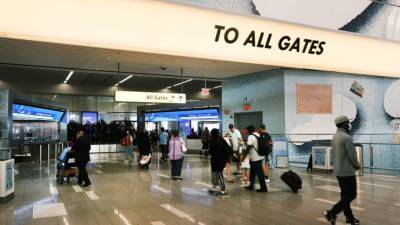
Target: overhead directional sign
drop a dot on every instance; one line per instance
(161, 27)
(149, 97)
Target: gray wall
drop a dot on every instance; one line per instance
(266, 91)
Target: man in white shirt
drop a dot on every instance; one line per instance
(255, 160)
(236, 141)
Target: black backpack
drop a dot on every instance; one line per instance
(263, 148)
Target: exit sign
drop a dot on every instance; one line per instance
(205, 91)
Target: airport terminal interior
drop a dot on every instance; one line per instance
(199, 112)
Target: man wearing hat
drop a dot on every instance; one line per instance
(346, 165)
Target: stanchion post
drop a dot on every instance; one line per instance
(40, 153)
(55, 150)
(48, 153)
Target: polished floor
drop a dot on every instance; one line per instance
(127, 195)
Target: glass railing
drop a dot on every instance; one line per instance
(380, 152)
(5, 150)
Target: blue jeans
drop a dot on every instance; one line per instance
(128, 151)
(176, 167)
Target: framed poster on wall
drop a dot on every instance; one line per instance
(314, 98)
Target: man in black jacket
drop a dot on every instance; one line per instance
(82, 149)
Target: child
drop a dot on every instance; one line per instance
(245, 168)
(228, 140)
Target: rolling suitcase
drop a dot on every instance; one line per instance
(292, 180)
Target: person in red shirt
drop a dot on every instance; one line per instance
(126, 142)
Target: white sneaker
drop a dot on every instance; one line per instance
(266, 180)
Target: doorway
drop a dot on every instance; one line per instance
(242, 120)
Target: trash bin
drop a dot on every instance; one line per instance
(360, 158)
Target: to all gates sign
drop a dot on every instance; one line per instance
(149, 97)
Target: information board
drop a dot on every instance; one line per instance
(314, 98)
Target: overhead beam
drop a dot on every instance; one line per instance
(162, 27)
(108, 72)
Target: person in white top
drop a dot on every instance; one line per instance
(255, 160)
(237, 142)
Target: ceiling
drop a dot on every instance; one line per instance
(44, 79)
(65, 57)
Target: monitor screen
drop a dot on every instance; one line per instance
(195, 114)
(89, 117)
(33, 113)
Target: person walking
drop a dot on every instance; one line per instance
(345, 166)
(205, 135)
(218, 149)
(154, 138)
(268, 142)
(163, 145)
(126, 142)
(255, 160)
(176, 155)
(229, 160)
(144, 145)
(237, 143)
(82, 149)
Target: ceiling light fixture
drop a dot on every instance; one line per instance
(122, 81)
(69, 76)
(216, 87)
(180, 83)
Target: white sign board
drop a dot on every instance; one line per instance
(149, 97)
(6, 178)
(161, 27)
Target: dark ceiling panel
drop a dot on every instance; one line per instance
(34, 75)
(49, 77)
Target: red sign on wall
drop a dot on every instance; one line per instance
(246, 107)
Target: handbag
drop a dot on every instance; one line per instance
(183, 146)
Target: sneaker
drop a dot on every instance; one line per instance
(262, 190)
(220, 193)
(237, 173)
(267, 180)
(354, 221)
(330, 218)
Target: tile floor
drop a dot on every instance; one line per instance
(126, 195)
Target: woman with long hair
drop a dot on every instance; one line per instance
(219, 151)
